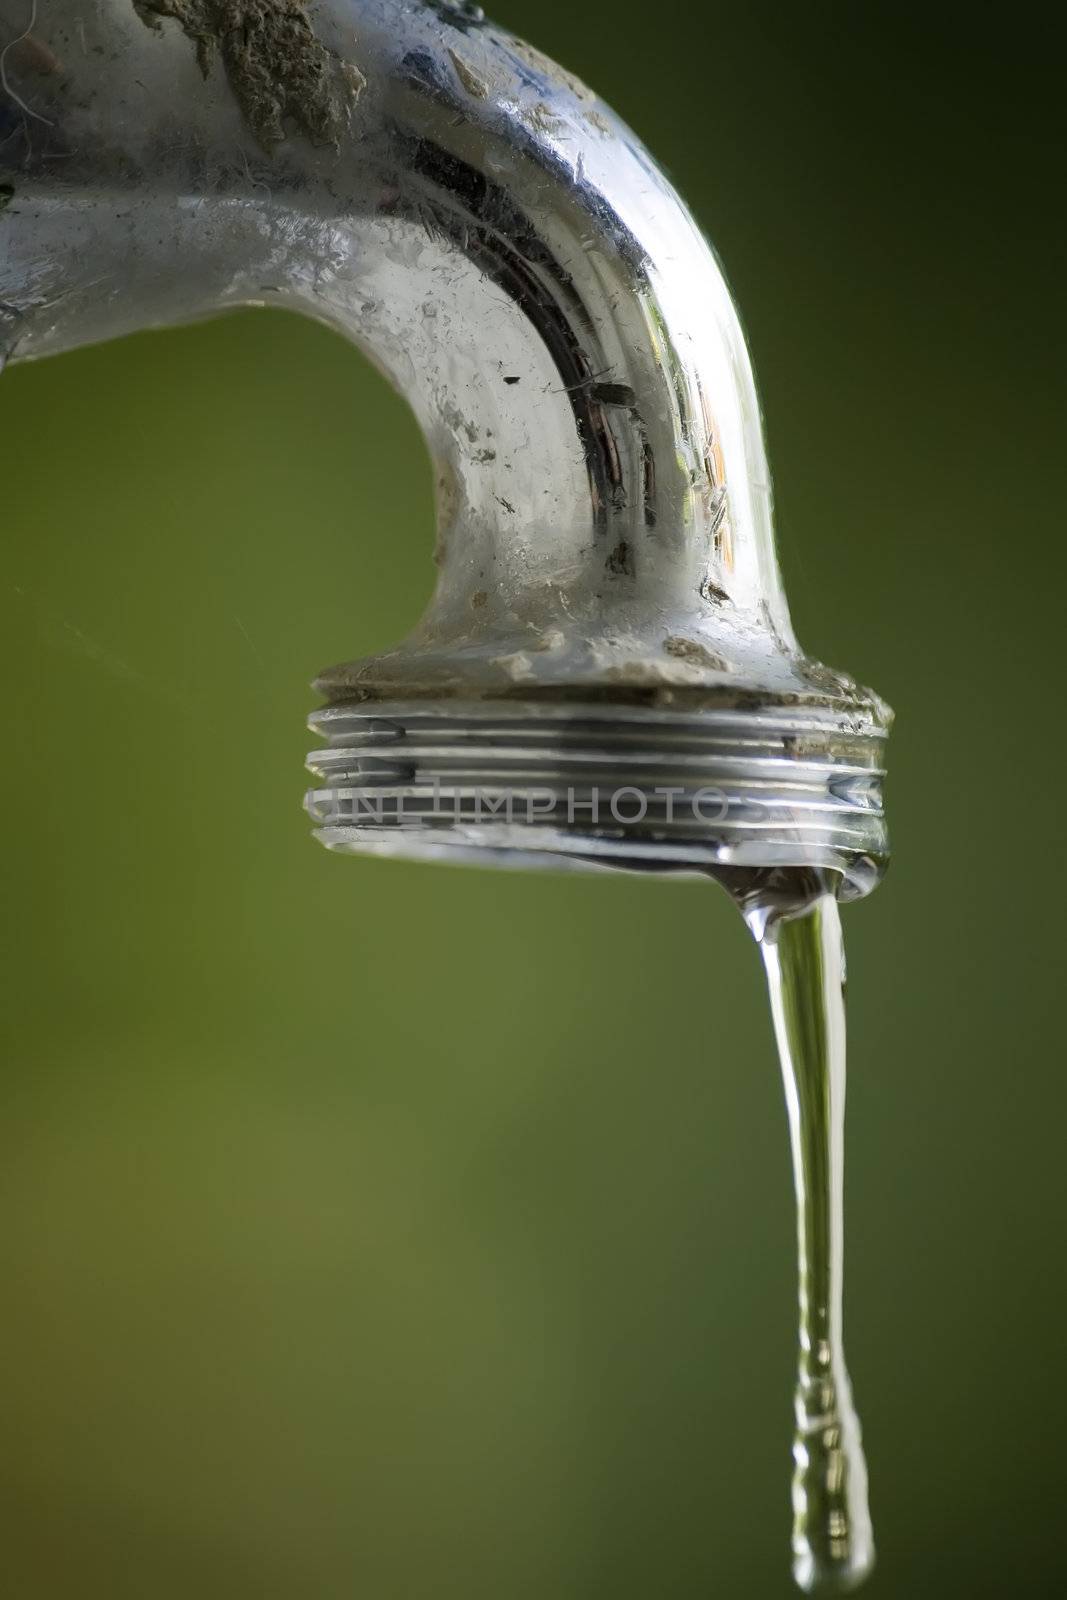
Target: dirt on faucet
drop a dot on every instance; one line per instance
(275, 63)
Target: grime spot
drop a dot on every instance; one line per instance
(453, 417)
(277, 67)
(613, 394)
(621, 560)
(475, 86)
(449, 499)
(479, 598)
(695, 654)
(518, 665)
(822, 677)
(541, 118)
(712, 591)
(550, 70)
(551, 641)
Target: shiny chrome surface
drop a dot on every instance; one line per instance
(514, 262)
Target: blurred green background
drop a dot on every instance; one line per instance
(392, 1230)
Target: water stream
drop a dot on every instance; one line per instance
(798, 929)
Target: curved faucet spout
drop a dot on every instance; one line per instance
(508, 254)
(470, 215)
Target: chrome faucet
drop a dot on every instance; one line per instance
(606, 673)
